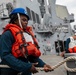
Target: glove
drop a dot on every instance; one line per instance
(33, 69)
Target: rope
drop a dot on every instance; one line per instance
(69, 69)
(54, 67)
(62, 62)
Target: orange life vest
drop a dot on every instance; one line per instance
(72, 50)
(21, 48)
(72, 45)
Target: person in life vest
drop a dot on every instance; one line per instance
(70, 46)
(19, 48)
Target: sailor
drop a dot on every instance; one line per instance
(70, 46)
(19, 48)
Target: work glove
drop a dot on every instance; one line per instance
(33, 69)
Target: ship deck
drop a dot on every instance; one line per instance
(53, 60)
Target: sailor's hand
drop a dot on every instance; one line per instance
(33, 68)
(62, 54)
(47, 68)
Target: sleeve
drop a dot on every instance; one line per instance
(6, 42)
(38, 60)
(67, 45)
(41, 63)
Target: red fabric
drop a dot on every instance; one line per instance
(32, 50)
(72, 50)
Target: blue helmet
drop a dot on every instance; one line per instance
(19, 10)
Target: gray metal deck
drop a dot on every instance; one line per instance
(53, 60)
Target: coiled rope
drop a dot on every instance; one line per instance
(62, 62)
(54, 67)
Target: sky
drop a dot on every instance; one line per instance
(71, 7)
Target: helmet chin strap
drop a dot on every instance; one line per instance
(19, 20)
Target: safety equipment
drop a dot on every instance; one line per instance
(72, 45)
(72, 42)
(29, 31)
(72, 50)
(19, 10)
(20, 47)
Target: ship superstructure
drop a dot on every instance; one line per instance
(50, 22)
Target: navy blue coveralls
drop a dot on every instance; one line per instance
(67, 45)
(17, 64)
